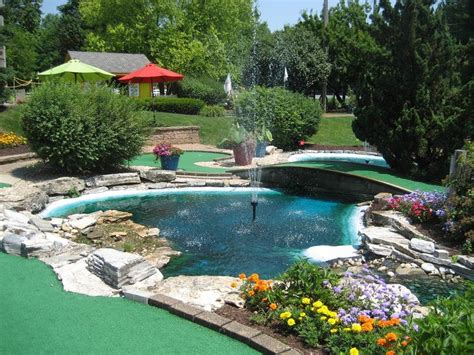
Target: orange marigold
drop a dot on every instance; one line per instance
(404, 343)
(251, 293)
(273, 306)
(367, 327)
(261, 286)
(391, 336)
(390, 352)
(242, 276)
(395, 321)
(264, 299)
(254, 278)
(381, 342)
(363, 318)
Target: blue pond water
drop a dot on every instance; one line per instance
(215, 232)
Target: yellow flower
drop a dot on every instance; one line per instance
(291, 322)
(332, 314)
(323, 318)
(233, 284)
(285, 315)
(353, 351)
(305, 300)
(356, 327)
(346, 329)
(318, 304)
(302, 314)
(334, 330)
(331, 321)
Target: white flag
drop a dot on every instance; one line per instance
(285, 76)
(228, 85)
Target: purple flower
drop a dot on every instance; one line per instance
(337, 289)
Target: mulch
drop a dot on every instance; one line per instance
(243, 316)
(21, 149)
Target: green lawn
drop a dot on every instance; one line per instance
(38, 317)
(10, 121)
(335, 131)
(212, 129)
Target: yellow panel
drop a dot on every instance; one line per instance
(145, 90)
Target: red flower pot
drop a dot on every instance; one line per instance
(243, 153)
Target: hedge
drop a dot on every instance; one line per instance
(174, 105)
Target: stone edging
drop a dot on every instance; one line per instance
(250, 336)
(17, 157)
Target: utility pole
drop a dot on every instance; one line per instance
(325, 24)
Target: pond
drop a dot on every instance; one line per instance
(214, 229)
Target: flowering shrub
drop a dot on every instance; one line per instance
(165, 150)
(343, 313)
(9, 139)
(421, 206)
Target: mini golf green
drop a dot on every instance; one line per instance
(3, 184)
(187, 162)
(371, 172)
(38, 317)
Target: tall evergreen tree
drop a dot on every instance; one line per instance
(407, 104)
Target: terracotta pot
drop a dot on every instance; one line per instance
(243, 153)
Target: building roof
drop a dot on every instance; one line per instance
(115, 63)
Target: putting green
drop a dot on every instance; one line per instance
(3, 184)
(187, 162)
(38, 317)
(371, 172)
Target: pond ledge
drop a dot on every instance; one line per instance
(389, 234)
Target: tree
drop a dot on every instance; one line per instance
(71, 34)
(48, 43)
(23, 13)
(21, 52)
(406, 104)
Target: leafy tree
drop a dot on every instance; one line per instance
(407, 100)
(23, 13)
(21, 52)
(71, 33)
(48, 43)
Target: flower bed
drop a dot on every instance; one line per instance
(9, 140)
(347, 314)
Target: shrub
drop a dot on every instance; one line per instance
(290, 117)
(212, 111)
(79, 130)
(448, 329)
(206, 89)
(174, 105)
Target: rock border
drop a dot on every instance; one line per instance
(250, 336)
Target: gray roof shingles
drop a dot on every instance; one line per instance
(115, 63)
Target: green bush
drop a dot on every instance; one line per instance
(290, 117)
(448, 329)
(212, 111)
(80, 130)
(206, 89)
(174, 105)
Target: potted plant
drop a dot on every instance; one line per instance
(264, 136)
(241, 143)
(169, 155)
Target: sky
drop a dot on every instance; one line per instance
(276, 13)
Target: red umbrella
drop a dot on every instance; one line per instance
(151, 73)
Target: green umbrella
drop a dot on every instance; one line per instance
(75, 71)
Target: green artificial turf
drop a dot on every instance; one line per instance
(3, 184)
(335, 131)
(186, 162)
(372, 172)
(38, 317)
(10, 120)
(213, 130)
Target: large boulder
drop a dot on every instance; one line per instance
(19, 197)
(206, 292)
(11, 243)
(155, 175)
(113, 180)
(62, 186)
